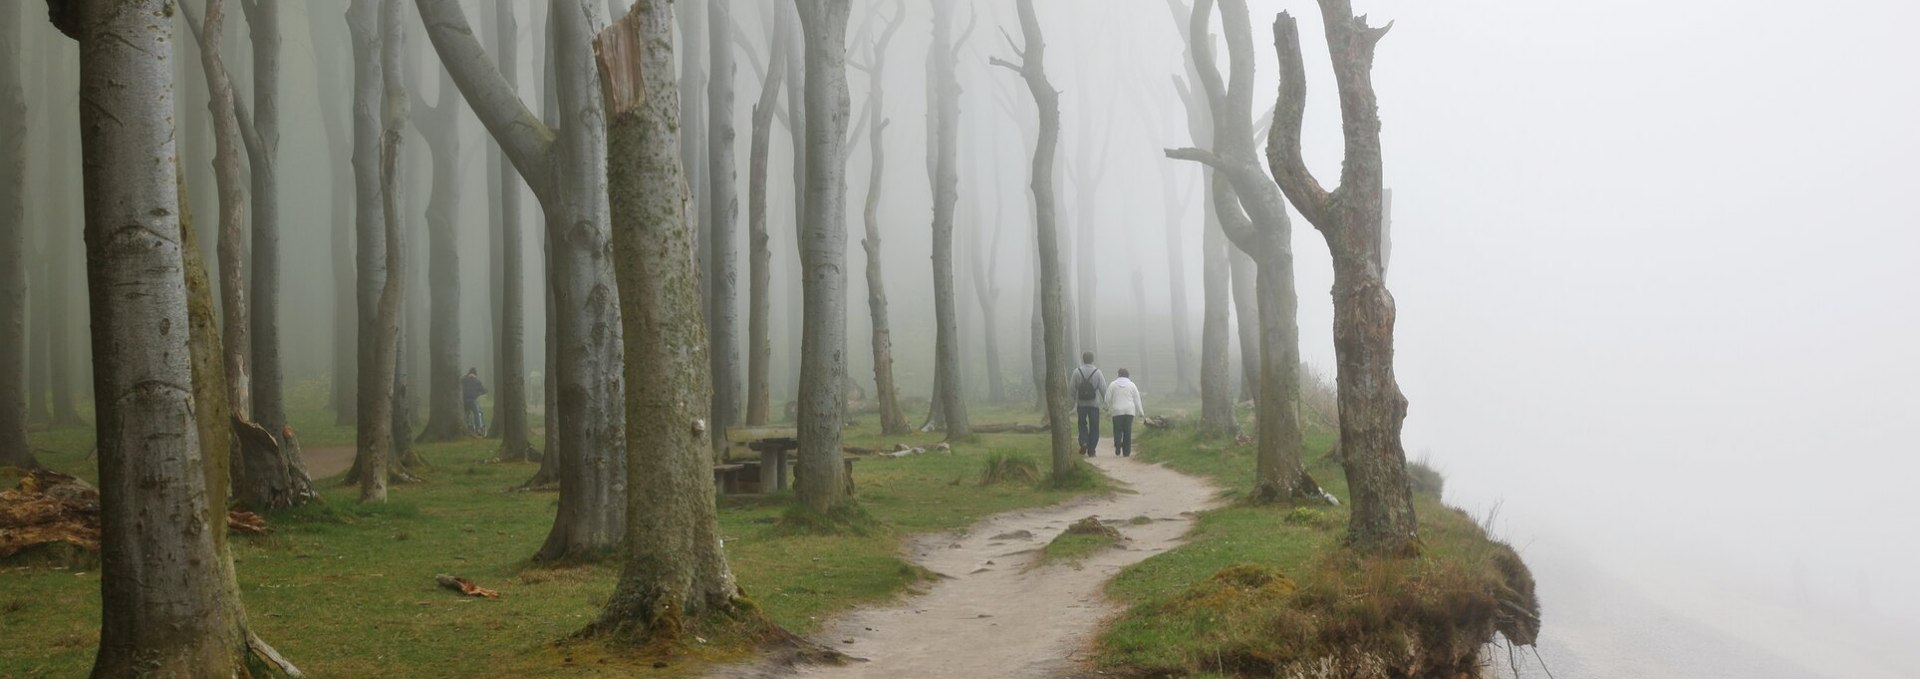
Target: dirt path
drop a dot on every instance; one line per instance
(325, 462)
(994, 617)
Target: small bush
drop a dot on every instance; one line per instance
(1009, 468)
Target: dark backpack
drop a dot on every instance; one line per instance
(1085, 389)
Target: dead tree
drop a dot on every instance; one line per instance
(14, 450)
(1349, 218)
(439, 124)
(168, 606)
(674, 572)
(1032, 69)
(893, 420)
(1253, 215)
(759, 252)
(1216, 374)
(567, 172)
(510, 403)
(823, 254)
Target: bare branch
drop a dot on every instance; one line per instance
(521, 135)
(973, 17)
(1201, 156)
(1283, 143)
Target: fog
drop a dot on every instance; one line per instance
(1653, 260)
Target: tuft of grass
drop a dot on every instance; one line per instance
(1081, 476)
(1001, 467)
(847, 519)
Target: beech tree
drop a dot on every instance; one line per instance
(567, 171)
(510, 379)
(723, 211)
(14, 450)
(823, 255)
(1032, 69)
(378, 39)
(674, 570)
(331, 77)
(1216, 372)
(944, 169)
(439, 124)
(1349, 217)
(261, 134)
(893, 420)
(759, 251)
(691, 18)
(168, 603)
(1253, 215)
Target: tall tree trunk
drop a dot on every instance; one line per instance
(986, 290)
(14, 450)
(893, 420)
(1216, 354)
(236, 336)
(439, 125)
(1246, 316)
(951, 392)
(567, 171)
(674, 572)
(164, 611)
(56, 333)
(795, 285)
(1175, 202)
(263, 150)
(691, 17)
(721, 218)
(823, 255)
(1349, 217)
(378, 439)
(759, 250)
(333, 118)
(1032, 68)
(510, 403)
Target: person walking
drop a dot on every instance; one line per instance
(470, 391)
(1089, 393)
(1123, 401)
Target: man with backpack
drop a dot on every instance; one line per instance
(1089, 393)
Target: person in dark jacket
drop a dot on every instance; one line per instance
(470, 391)
(1089, 393)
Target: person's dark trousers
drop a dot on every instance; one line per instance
(1123, 435)
(1089, 429)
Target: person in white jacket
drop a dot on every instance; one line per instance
(1123, 401)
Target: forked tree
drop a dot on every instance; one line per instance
(1349, 218)
(674, 572)
(823, 255)
(1032, 69)
(1253, 215)
(566, 169)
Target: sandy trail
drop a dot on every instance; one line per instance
(324, 462)
(995, 617)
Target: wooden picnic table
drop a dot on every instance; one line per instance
(764, 453)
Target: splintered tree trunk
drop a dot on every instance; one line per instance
(510, 403)
(722, 214)
(674, 571)
(759, 250)
(1032, 68)
(1371, 405)
(263, 150)
(823, 255)
(440, 127)
(951, 393)
(165, 611)
(345, 382)
(893, 420)
(14, 450)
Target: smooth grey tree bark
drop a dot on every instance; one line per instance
(236, 335)
(759, 249)
(331, 77)
(14, 450)
(261, 132)
(1253, 215)
(722, 215)
(823, 253)
(893, 420)
(1349, 217)
(945, 175)
(439, 124)
(165, 612)
(674, 575)
(567, 172)
(510, 399)
(795, 285)
(378, 438)
(1032, 69)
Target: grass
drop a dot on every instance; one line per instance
(1082, 539)
(1259, 588)
(347, 589)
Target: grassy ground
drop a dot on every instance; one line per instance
(1259, 586)
(347, 590)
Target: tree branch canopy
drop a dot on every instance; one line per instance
(526, 140)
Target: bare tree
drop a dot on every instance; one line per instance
(759, 252)
(893, 420)
(1216, 380)
(330, 77)
(377, 436)
(823, 254)
(164, 611)
(261, 132)
(510, 404)
(567, 172)
(14, 450)
(1253, 215)
(723, 269)
(1032, 68)
(674, 570)
(1349, 217)
(945, 116)
(439, 124)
